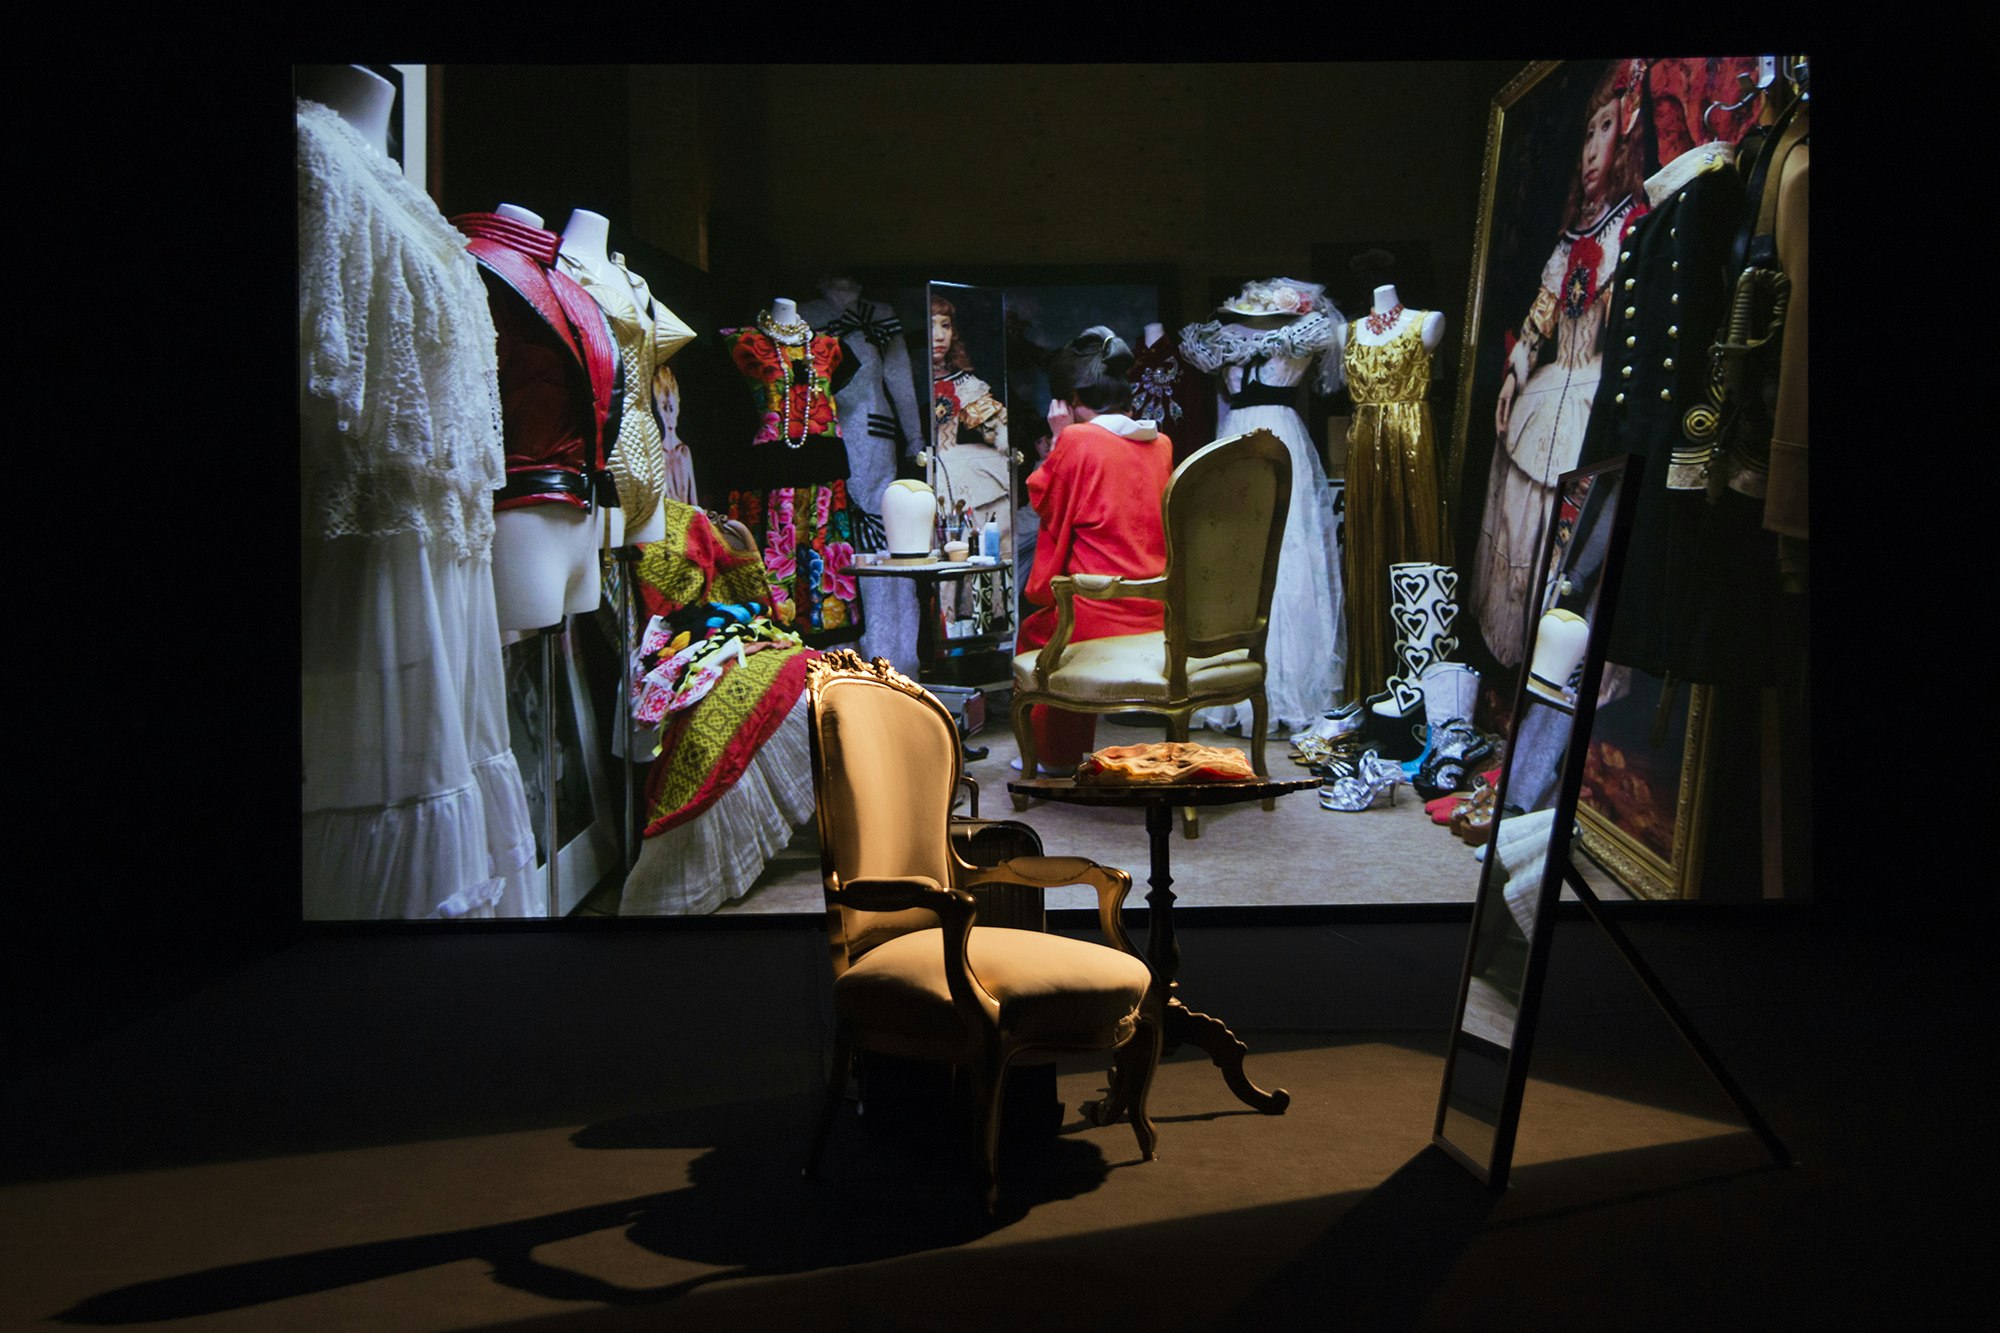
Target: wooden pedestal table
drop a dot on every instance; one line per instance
(1202, 1031)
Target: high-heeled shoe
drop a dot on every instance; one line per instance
(1455, 748)
(1373, 775)
(1335, 725)
(1472, 823)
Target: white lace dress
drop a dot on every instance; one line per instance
(412, 802)
(1306, 653)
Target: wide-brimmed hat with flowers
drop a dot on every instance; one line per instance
(1278, 296)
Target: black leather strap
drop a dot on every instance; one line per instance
(556, 481)
(1256, 393)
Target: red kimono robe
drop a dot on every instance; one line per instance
(1098, 498)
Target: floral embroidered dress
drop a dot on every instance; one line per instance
(793, 489)
(1546, 426)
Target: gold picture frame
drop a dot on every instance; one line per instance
(1651, 838)
(1645, 821)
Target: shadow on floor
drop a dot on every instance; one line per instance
(745, 1212)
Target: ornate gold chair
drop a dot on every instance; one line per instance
(1224, 513)
(914, 976)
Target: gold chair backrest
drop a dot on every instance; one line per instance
(1224, 512)
(886, 761)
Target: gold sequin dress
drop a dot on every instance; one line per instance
(1394, 508)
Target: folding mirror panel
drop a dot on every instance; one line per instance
(1525, 861)
(972, 462)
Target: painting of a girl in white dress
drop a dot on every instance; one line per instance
(1548, 379)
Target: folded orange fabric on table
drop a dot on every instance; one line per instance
(1165, 761)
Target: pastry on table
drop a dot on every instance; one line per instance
(1165, 762)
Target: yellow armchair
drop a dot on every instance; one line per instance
(915, 975)
(1224, 514)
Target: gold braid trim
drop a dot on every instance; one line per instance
(1541, 316)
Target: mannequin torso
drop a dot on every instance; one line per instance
(544, 556)
(1368, 334)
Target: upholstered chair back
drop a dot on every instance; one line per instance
(1225, 513)
(888, 762)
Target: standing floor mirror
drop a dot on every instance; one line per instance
(1527, 862)
(1520, 878)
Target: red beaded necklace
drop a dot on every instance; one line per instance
(1379, 322)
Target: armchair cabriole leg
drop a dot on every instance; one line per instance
(1024, 741)
(988, 1080)
(1136, 1062)
(836, 1089)
(1260, 724)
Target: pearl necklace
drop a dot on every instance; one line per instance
(790, 371)
(1380, 322)
(798, 333)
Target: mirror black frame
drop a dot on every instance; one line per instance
(1493, 1170)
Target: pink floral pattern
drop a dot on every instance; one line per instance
(780, 550)
(808, 549)
(840, 582)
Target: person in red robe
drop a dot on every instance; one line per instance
(1098, 498)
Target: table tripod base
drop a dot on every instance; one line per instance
(1212, 1036)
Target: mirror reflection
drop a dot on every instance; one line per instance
(1521, 862)
(970, 468)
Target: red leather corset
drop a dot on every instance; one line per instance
(558, 367)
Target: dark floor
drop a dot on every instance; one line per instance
(601, 1128)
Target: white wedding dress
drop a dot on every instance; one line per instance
(1306, 652)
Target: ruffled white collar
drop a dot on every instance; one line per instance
(1120, 424)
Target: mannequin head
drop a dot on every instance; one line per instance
(1092, 373)
(947, 348)
(1608, 164)
(361, 97)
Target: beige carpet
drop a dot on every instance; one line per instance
(1296, 853)
(695, 1217)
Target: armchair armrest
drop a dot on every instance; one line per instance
(897, 893)
(1067, 588)
(1048, 872)
(956, 912)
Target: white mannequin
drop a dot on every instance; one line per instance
(544, 556)
(1153, 333)
(358, 96)
(1387, 300)
(516, 213)
(586, 239)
